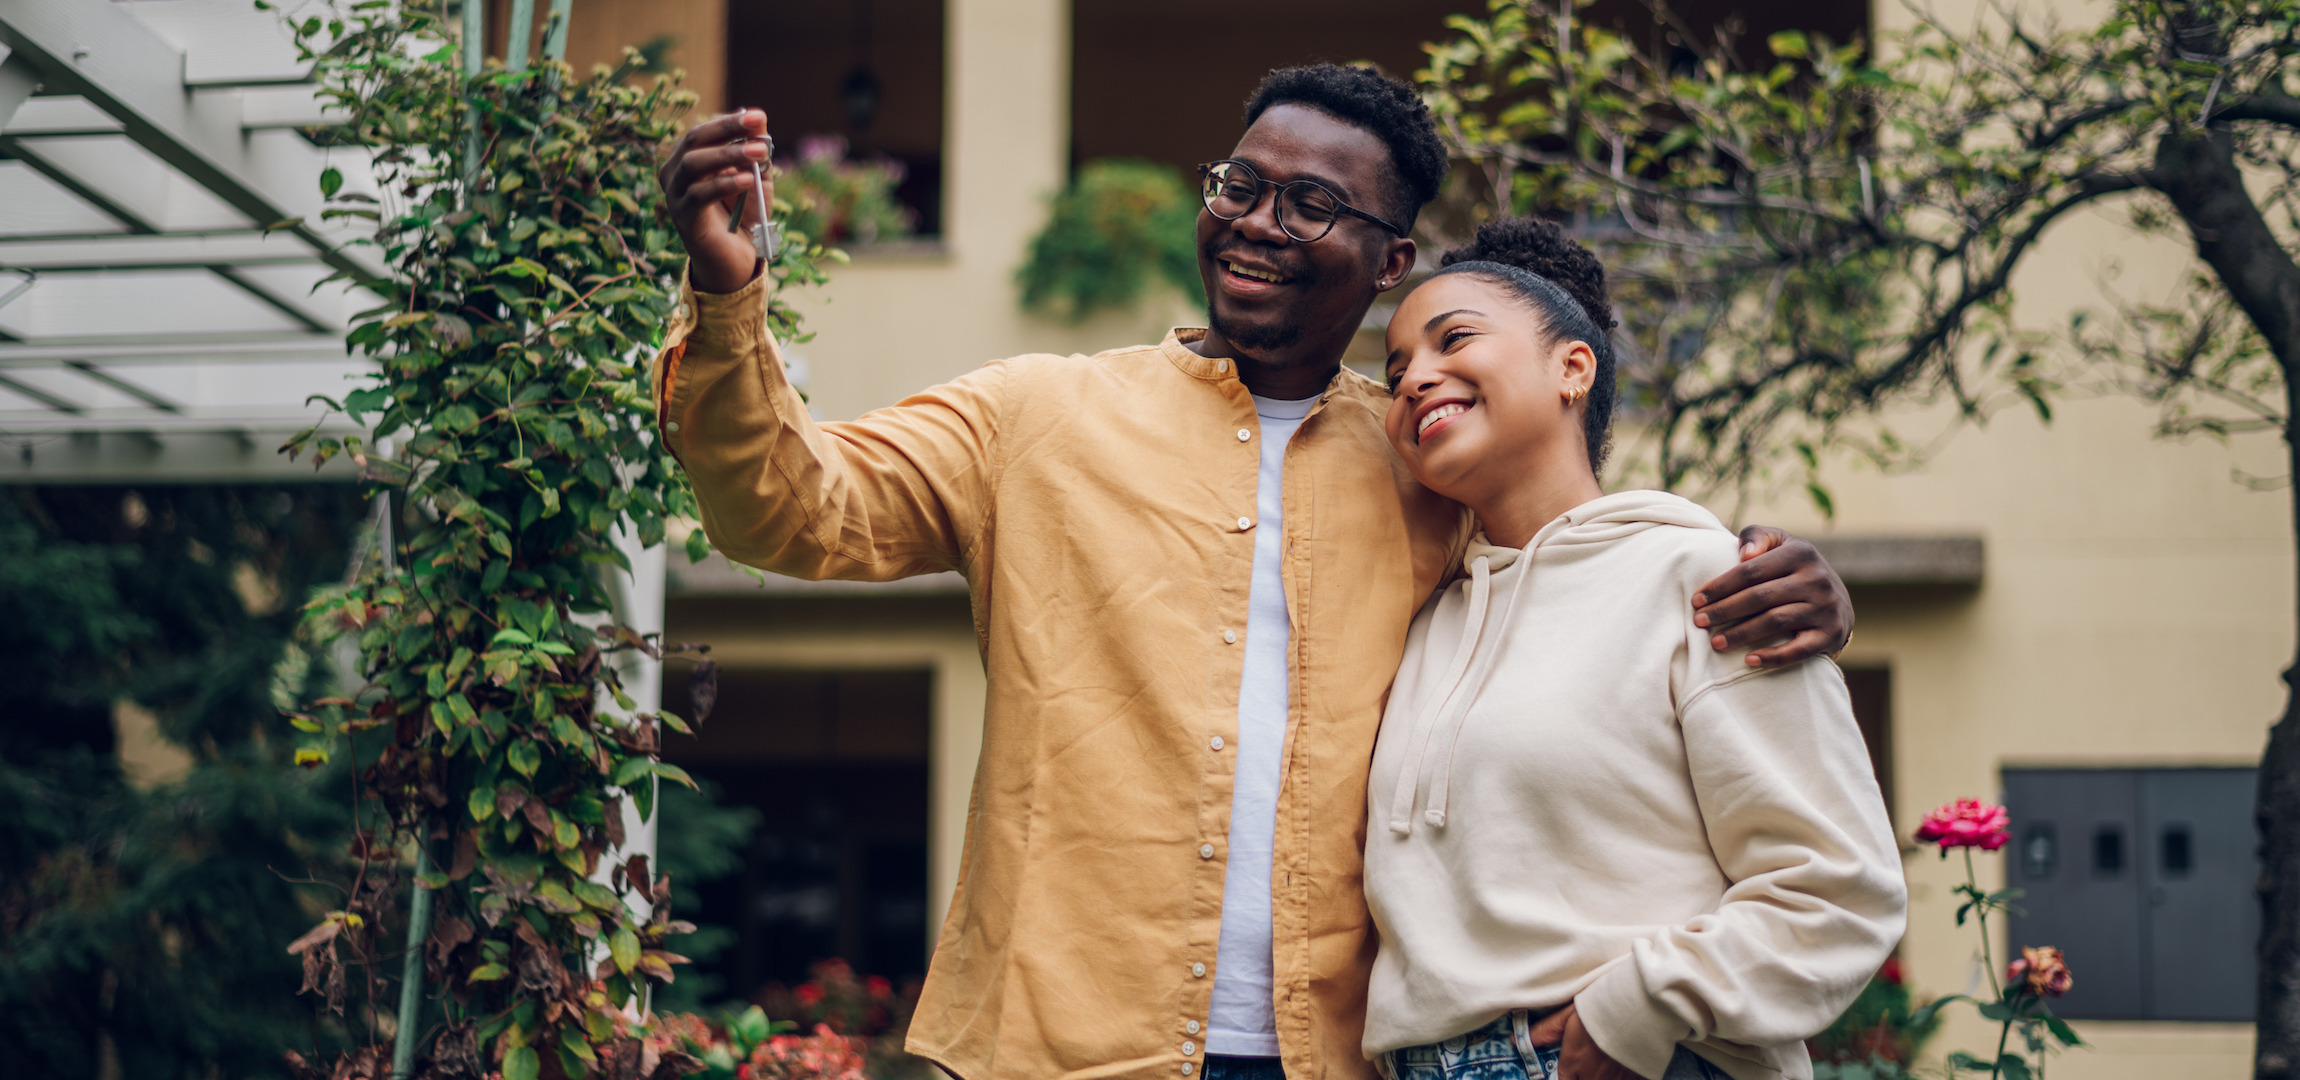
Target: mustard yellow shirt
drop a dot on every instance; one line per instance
(1101, 509)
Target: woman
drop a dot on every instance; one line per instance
(1597, 849)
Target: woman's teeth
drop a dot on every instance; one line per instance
(1437, 414)
(1258, 275)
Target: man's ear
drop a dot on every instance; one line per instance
(1397, 262)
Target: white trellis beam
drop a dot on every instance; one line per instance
(103, 54)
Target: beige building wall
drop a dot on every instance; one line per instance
(2136, 610)
(2136, 605)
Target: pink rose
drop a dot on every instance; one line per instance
(1966, 823)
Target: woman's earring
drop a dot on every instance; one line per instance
(1576, 394)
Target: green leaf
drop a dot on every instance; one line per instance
(2014, 1068)
(596, 895)
(488, 973)
(525, 756)
(2060, 1030)
(623, 945)
(1789, 43)
(571, 1039)
(674, 773)
(482, 802)
(554, 898)
(631, 770)
(522, 1064)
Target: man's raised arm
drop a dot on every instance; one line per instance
(901, 491)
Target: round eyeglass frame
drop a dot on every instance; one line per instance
(1210, 185)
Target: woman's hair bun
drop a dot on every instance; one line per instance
(1542, 247)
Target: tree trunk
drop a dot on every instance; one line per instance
(2198, 172)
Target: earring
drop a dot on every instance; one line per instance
(1576, 394)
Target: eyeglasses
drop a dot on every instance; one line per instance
(1305, 209)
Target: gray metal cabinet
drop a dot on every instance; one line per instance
(2144, 878)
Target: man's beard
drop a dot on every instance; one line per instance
(1254, 338)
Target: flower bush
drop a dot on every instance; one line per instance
(2018, 1000)
(833, 1026)
(1878, 1035)
(837, 200)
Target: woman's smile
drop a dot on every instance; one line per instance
(1437, 416)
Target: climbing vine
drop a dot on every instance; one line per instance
(528, 271)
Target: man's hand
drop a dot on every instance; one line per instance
(1782, 589)
(1579, 1057)
(707, 181)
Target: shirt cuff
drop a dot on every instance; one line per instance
(1628, 1024)
(726, 322)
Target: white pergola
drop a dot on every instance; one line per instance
(160, 240)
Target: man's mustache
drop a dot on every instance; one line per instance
(1293, 269)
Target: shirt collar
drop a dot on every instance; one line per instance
(1217, 369)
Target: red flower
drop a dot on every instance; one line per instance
(808, 994)
(2043, 970)
(878, 987)
(824, 1055)
(1891, 971)
(1966, 823)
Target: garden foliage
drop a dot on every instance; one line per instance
(139, 908)
(1121, 227)
(531, 270)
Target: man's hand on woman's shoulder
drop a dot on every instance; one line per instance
(1781, 589)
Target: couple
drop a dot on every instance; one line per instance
(1241, 812)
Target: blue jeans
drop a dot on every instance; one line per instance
(1503, 1051)
(1222, 1067)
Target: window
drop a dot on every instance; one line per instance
(2144, 878)
(869, 72)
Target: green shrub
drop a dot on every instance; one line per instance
(1118, 224)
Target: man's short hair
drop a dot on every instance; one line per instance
(1390, 109)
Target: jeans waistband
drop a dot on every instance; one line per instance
(1507, 1038)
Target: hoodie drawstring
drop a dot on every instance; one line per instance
(1455, 719)
(1480, 591)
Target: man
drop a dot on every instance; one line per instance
(1192, 567)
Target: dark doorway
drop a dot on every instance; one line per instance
(836, 762)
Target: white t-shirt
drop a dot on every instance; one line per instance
(1243, 1021)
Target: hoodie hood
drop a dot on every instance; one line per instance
(1438, 716)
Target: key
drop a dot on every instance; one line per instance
(766, 236)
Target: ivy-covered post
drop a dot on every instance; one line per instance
(555, 30)
(516, 34)
(531, 273)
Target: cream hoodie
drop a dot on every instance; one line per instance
(1574, 798)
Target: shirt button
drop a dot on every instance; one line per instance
(1245, 523)
(1229, 637)
(1217, 743)
(1188, 1068)
(1191, 1027)
(1205, 851)
(674, 426)
(1197, 971)
(1244, 434)
(1221, 365)
(1189, 1048)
